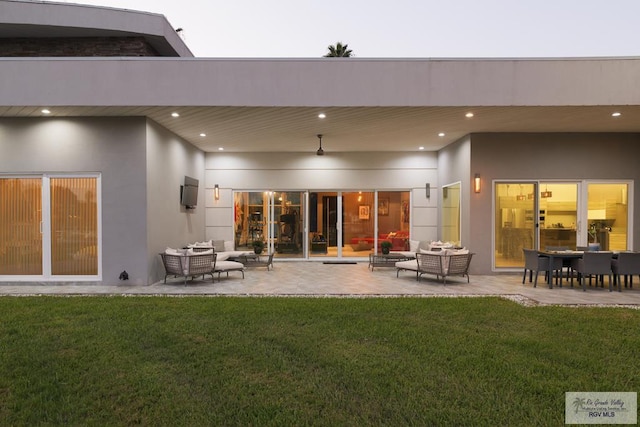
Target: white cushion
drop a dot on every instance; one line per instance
(462, 251)
(229, 246)
(439, 253)
(411, 264)
(171, 251)
(414, 245)
(228, 266)
(192, 252)
(218, 245)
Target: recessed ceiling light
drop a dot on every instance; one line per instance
(220, 148)
(420, 148)
(45, 111)
(441, 134)
(174, 114)
(616, 114)
(203, 135)
(322, 115)
(469, 115)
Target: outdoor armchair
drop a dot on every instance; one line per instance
(627, 264)
(533, 262)
(593, 263)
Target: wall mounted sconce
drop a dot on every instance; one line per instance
(476, 183)
(216, 192)
(427, 189)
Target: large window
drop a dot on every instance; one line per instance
(49, 227)
(451, 213)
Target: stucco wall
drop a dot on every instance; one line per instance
(114, 147)
(169, 159)
(546, 157)
(335, 171)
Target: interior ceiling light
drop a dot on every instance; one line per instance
(420, 148)
(322, 115)
(174, 114)
(320, 151)
(203, 135)
(220, 148)
(616, 114)
(441, 134)
(469, 115)
(45, 111)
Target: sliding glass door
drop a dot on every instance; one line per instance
(514, 223)
(275, 218)
(607, 216)
(322, 224)
(351, 224)
(568, 215)
(558, 215)
(20, 227)
(325, 224)
(74, 226)
(49, 227)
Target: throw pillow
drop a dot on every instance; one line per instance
(218, 245)
(414, 245)
(228, 246)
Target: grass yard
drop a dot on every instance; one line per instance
(304, 361)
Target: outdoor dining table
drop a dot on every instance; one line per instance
(568, 254)
(559, 254)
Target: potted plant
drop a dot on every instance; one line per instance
(385, 245)
(258, 246)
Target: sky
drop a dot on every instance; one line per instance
(400, 28)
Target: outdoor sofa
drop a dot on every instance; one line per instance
(442, 263)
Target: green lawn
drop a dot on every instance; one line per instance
(305, 361)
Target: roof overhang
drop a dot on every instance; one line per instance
(27, 19)
(371, 104)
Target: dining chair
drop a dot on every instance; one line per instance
(566, 262)
(627, 264)
(593, 263)
(533, 262)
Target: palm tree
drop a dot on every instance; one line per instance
(578, 403)
(338, 51)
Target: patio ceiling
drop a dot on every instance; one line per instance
(294, 129)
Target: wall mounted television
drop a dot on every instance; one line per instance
(189, 193)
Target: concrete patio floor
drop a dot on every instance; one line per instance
(353, 280)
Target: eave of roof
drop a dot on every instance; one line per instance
(27, 19)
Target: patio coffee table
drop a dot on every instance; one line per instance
(255, 260)
(385, 260)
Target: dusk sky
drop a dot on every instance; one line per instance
(401, 28)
